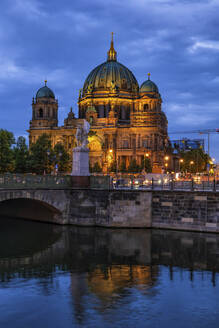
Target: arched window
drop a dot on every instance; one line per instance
(123, 110)
(97, 110)
(40, 112)
(125, 144)
(146, 107)
(104, 111)
(127, 115)
(145, 142)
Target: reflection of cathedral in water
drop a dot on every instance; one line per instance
(110, 284)
(103, 265)
(127, 121)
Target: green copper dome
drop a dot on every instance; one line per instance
(111, 75)
(149, 86)
(45, 92)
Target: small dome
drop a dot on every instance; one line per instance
(149, 86)
(45, 92)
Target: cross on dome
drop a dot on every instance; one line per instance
(112, 54)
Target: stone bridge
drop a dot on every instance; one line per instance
(40, 205)
(88, 207)
(64, 204)
(48, 198)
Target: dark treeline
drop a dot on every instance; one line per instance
(40, 158)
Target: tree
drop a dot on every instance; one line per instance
(96, 168)
(41, 155)
(113, 167)
(133, 166)
(61, 158)
(6, 151)
(122, 167)
(147, 165)
(193, 161)
(21, 155)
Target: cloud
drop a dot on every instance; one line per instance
(215, 80)
(193, 119)
(185, 95)
(147, 45)
(31, 9)
(71, 20)
(11, 71)
(176, 40)
(192, 115)
(81, 21)
(208, 44)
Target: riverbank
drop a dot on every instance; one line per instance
(164, 209)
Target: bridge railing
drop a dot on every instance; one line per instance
(160, 184)
(29, 181)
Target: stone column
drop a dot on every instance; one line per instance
(80, 165)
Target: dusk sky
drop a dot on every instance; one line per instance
(62, 41)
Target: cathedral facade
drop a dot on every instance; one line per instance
(127, 121)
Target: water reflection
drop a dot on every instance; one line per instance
(99, 274)
(193, 251)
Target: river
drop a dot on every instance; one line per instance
(63, 276)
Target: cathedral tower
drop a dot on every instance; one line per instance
(44, 109)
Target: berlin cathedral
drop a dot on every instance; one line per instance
(127, 121)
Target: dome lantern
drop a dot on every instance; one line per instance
(112, 54)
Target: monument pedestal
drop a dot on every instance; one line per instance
(80, 164)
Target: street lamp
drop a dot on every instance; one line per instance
(166, 158)
(109, 159)
(191, 163)
(48, 161)
(146, 156)
(180, 163)
(57, 162)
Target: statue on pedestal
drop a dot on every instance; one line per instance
(82, 135)
(80, 163)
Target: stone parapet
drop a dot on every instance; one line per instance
(198, 211)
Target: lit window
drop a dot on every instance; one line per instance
(125, 144)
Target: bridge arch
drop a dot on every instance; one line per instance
(38, 205)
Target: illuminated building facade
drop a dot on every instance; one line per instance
(127, 121)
